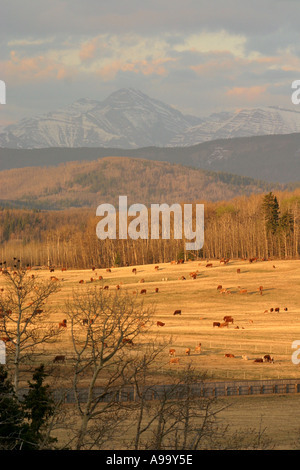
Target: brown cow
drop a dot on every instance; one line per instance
(219, 287)
(100, 278)
(156, 268)
(238, 271)
(134, 270)
(59, 359)
(188, 351)
(268, 358)
(223, 325)
(156, 289)
(63, 324)
(229, 355)
(127, 341)
(174, 360)
(108, 270)
(228, 319)
(142, 280)
(81, 281)
(285, 309)
(160, 323)
(258, 360)
(271, 310)
(198, 348)
(216, 323)
(243, 291)
(177, 312)
(277, 309)
(209, 265)
(143, 291)
(172, 352)
(106, 287)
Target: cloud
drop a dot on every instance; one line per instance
(247, 93)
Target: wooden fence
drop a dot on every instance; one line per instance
(204, 389)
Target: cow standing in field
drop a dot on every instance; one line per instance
(177, 312)
(198, 348)
(216, 323)
(174, 360)
(172, 352)
(188, 351)
(59, 359)
(228, 319)
(143, 291)
(63, 324)
(160, 323)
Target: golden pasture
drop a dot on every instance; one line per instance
(260, 332)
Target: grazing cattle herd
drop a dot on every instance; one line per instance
(225, 322)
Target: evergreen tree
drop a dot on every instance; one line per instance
(39, 405)
(14, 430)
(270, 208)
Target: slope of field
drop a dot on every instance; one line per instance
(87, 184)
(259, 332)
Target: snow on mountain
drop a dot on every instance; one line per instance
(126, 119)
(130, 119)
(243, 123)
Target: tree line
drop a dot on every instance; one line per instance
(256, 226)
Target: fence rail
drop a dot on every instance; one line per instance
(204, 389)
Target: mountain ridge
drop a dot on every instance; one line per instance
(130, 119)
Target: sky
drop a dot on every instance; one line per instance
(199, 56)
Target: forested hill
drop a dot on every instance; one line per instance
(88, 184)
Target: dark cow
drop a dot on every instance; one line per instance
(143, 291)
(216, 323)
(285, 309)
(277, 309)
(59, 359)
(106, 287)
(156, 289)
(268, 358)
(209, 265)
(258, 360)
(160, 323)
(134, 270)
(63, 324)
(229, 355)
(108, 270)
(177, 312)
(219, 287)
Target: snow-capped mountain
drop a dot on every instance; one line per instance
(129, 119)
(126, 119)
(242, 123)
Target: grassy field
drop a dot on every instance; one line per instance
(201, 303)
(259, 332)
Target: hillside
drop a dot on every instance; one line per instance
(88, 184)
(272, 158)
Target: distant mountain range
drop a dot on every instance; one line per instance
(129, 119)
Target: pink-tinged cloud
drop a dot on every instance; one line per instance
(88, 49)
(23, 69)
(248, 93)
(153, 67)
